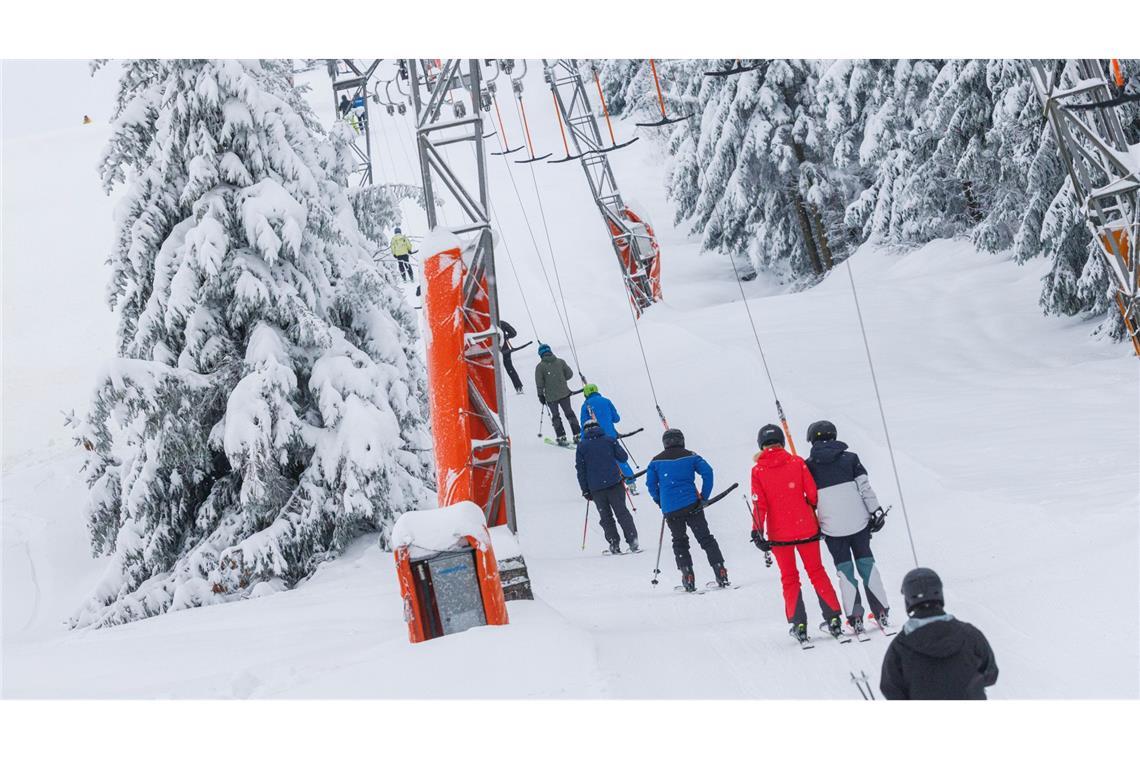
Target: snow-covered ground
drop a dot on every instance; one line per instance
(1015, 436)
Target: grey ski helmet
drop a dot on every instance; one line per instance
(921, 586)
(821, 431)
(770, 434)
(673, 438)
(397, 230)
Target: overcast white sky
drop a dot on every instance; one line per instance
(41, 95)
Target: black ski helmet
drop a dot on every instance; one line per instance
(821, 431)
(673, 438)
(397, 230)
(770, 434)
(589, 424)
(920, 586)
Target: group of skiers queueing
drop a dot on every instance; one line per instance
(795, 503)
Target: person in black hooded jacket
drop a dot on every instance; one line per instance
(935, 656)
(597, 460)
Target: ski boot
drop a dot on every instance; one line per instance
(615, 547)
(688, 579)
(857, 625)
(798, 631)
(721, 575)
(631, 484)
(632, 544)
(883, 620)
(577, 438)
(835, 626)
(561, 441)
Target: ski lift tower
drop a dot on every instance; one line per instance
(350, 78)
(632, 238)
(461, 304)
(1103, 167)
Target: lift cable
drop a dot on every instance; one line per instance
(882, 414)
(763, 358)
(557, 278)
(541, 263)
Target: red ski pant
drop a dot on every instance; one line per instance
(790, 579)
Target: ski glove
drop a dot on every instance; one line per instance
(587, 495)
(761, 544)
(542, 399)
(878, 520)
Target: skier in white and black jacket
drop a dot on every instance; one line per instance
(848, 513)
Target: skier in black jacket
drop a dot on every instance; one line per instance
(509, 334)
(936, 656)
(602, 482)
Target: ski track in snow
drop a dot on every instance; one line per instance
(1013, 445)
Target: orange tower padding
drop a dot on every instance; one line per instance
(452, 364)
(447, 390)
(491, 588)
(1115, 243)
(629, 261)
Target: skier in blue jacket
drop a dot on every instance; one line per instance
(672, 482)
(600, 409)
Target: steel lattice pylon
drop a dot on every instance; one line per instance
(633, 240)
(350, 78)
(458, 84)
(1102, 166)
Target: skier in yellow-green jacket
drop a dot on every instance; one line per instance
(401, 249)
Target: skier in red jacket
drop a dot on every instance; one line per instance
(784, 498)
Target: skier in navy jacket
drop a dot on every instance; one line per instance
(848, 513)
(671, 480)
(597, 460)
(600, 409)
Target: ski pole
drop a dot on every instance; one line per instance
(660, 542)
(541, 417)
(628, 453)
(629, 497)
(767, 555)
(585, 524)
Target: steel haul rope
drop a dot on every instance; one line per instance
(882, 414)
(763, 358)
(557, 277)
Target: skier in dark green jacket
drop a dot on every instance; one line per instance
(550, 380)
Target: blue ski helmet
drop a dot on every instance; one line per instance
(544, 349)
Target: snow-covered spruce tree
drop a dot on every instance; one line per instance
(267, 403)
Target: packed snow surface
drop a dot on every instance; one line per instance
(1014, 434)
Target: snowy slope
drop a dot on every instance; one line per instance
(1015, 442)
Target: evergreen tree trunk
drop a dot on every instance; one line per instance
(973, 208)
(821, 236)
(801, 212)
(805, 230)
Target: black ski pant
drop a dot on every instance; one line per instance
(406, 272)
(564, 404)
(693, 519)
(610, 503)
(509, 366)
